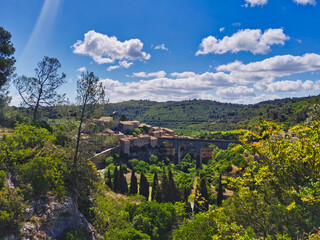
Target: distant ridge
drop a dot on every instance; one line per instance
(197, 115)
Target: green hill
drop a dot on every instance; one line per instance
(190, 116)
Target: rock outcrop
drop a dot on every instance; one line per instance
(49, 216)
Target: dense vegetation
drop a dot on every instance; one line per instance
(192, 116)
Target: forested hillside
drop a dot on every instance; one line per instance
(195, 115)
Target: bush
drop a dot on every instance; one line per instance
(2, 178)
(11, 211)
(44, 174)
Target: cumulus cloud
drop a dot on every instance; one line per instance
(305, 2)
(165, 89)
(104, 49)
(288, 86)
(270, 68)
(254, 3)
(161, 47)
(121, 64)
(82, 69)
(184, 75)
(252, 40)
(236, 92)
(159, 74)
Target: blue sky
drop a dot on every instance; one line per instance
(242, 51)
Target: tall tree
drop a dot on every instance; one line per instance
(41, 90)
(155, 187)
(123, 182)
(173, 190)
(204, 196)
(108, 180)
(90, 93)
(220, 193)
(144, 186)
(165, 186)
(133, 183)
(116, 185)
(6, 66)
(6, 59)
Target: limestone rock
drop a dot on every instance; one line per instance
(49, 216)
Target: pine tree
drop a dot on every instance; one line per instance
(144, 186)
(173, 193)
(165, 186)
(220, 193)
(133, 184)
(108, 180)
(116, 180)
(155, 187)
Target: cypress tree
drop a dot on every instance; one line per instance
(173, 193)
(123, 182)
(133, 184)
(204, 196)
(116, 180)
(144, 186)
(108, 180)
(185, 197)
(165, 186)
(220, 193)
(155, 187)
(196, 205)
(185, 194)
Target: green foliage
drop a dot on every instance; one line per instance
(153, 159)
(109, 213)
(139, 166)
(129, 233)
(193, 116)
(133, 183)
(144, 186)
(6, 68)
(72, 233)
(109, 160)
(3, 176)
(152, 218)
(11, 211)
(44, 174)
(201, 227)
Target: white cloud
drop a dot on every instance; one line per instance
(161, 47)
(82, 69)
(254, 3)
(270, 68)
(159, 74)
(105, 49)
(165, 89)
(264, 97)
(252, 40)
(288, 86)
(305, 2)
(222, 29)
(122, 64)
(236, 92)
(16, 100)
(184, 75)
